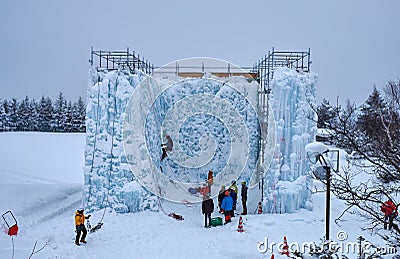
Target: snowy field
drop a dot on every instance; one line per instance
(41, 180)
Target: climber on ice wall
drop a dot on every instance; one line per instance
(166, 146)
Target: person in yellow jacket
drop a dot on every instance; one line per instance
(80, 226)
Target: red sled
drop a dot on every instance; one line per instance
(11, 223)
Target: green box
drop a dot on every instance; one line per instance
(216, 221)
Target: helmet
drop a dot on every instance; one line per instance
(244, 182)
(233, 181)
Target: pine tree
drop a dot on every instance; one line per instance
(326, 114)
(6, 122)
(24, 112)
(2, 117)
(373, 116)
(45, 113)
(59, 112)
(34, 118)
(13, 114)
(68, 127)
(79, 114)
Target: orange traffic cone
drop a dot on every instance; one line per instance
(285, 248)
(240, 226)
(259, 208)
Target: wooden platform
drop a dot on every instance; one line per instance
(219, 74)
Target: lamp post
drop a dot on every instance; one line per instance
(325, 174)
(328, 201)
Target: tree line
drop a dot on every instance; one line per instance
(44, 115)
(370, 133)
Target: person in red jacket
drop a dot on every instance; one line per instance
(390, 211)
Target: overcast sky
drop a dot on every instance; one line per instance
(45, 45)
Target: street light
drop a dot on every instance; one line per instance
(323, 173)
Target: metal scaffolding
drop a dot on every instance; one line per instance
(105, 60)
(265, 68)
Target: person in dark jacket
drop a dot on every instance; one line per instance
(233, 194)
(167, 146)
(226, 206)
(80, 226)
(207, 207)
(243, 193)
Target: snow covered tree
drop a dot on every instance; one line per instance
(325, 114)
(79, 115)
(34, 118)
(68, 124)
(59, 113)
(24, 113)
(2, 118)
(373, 116)
(13, 114)
(6, 122)
(45, 113)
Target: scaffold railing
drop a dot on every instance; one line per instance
(113, 60)
(265, 67)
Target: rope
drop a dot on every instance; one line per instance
(159, 200)
(177, 178)
(95, 139)
(158, 123)
(112, 148)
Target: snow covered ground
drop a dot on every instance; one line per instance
(41, 180)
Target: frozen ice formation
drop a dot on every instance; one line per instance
(287, 185)
(214, 125)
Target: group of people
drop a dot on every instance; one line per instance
(227, 200)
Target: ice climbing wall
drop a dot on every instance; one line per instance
(287, 183)
(213, 122)
(108, 181)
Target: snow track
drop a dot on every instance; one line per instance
(69, 199)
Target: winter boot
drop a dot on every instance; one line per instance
(164, 154)
(77, 243)
(83, 241)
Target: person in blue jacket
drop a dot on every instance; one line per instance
(233, 194)
(226, 206)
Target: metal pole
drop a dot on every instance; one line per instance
(328, 200)
(91, 56)
(262, 188)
